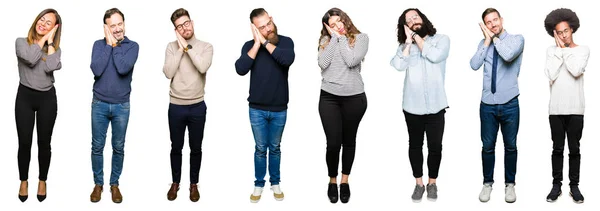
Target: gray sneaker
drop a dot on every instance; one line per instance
(486, 191)
(510, 195)
(431, 192)
(418, 193)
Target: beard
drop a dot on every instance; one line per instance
(272, 37)
(421, 31)
(191, 34)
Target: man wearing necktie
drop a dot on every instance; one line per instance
(502, 54)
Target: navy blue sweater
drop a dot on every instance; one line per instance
(113, 68)
(269, 74)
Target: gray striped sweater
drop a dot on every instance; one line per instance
(341, 65)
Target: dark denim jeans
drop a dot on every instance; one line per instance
(506, 117)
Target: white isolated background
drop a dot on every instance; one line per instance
(381, 177)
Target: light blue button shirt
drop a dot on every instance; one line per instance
(424, 91)
(510, 54)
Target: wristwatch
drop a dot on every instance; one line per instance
(188, 47)
(51, 44)
(265, 43)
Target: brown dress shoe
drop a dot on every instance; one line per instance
(116, 194)
(172, 194)
(194, 194)
(96, 193)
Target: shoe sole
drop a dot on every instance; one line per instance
(551, 201)
(576, 202)
(416, 200)
(254, 201)
(431, 199)
(278, 199)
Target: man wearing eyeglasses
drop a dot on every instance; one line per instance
(422, 56)
(501, 53)
(186, 61)
(113, 59)
(268, 57)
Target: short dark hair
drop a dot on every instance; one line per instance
(257, 12)
(178, 14)
(560, 15)
(488, 11)
(111, 12)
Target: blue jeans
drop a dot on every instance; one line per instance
(104, 113)
(267, 127)
(505, 116)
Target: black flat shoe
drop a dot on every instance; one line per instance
(332, 192)
(23, 198)
(344, 192)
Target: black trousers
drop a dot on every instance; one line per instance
(572, 126)
(340, 116)
(433, 126)
(193, 117)
(32, 105)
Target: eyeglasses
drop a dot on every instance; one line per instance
(269, 24)
(412, 19)
(186, 24)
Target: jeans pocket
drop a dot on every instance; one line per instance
(125, 105)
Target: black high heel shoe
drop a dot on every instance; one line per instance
(42, 197)
(332, 193)
(23, 198)
(344, 192)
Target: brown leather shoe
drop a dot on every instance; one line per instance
(172, 194)
(96, 193)
(116, 194)
(194, 194)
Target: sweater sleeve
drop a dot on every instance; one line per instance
(576, 60)
(100, 55)
(244, 63)
(28, 54)
(172, 61)
(554, 59)
(53, 61)
(284, 53)
(125, 57)
(326, 54)
(202, 59)
(354, 56)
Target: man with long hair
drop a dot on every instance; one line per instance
(424, 100)
(565, 64)
(501, 53)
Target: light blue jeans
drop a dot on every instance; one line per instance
(267, 127)
(117, 115)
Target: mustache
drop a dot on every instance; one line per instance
(119, 31)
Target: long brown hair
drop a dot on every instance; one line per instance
(33, 35)
(351, 30)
